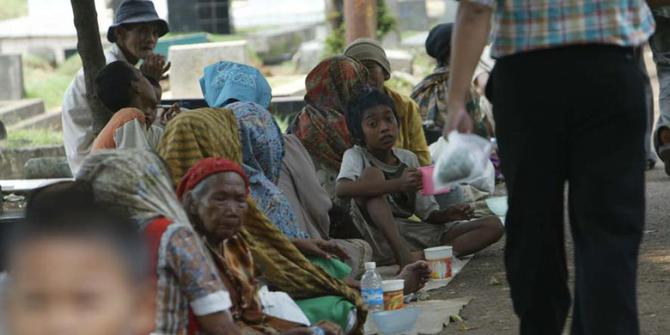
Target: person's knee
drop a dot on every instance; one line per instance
(495, 227)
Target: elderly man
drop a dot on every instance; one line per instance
(569, 103)
(134, 34)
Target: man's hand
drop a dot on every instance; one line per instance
(320, 248)
(155, 66)
(458, 119)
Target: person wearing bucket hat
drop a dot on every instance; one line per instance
(370, 53)
(133, 35)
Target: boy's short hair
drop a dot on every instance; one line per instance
(370, 97)
(67, 210)
(112, 84)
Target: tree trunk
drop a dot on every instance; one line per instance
(360, 18)
(92, 56)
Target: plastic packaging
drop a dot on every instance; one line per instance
(371, 288)
(463, 160)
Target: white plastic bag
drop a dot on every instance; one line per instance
(463, 160)
(280, 305)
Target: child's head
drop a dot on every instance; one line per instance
(121, 85)
(372, 120)
(76, 269)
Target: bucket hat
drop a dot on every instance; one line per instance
(136, 11)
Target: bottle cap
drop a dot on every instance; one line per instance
(370, 266)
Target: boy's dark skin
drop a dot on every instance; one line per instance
(380, 129)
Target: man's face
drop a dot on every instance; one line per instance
(71, 286)
(138, 39)
(377, 74)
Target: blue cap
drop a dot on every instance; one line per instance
(136, 11)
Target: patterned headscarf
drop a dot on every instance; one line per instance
(263, 152)
(321, 125)
(203, 133)
(225, 82)
(134, 182)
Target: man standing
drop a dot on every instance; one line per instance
(569, 105)
(135, 31)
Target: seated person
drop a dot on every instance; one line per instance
(411, 137)
(226, 82)
(76, 269)
(431, 93)
(134, 35)
(384, 183)
(190, 296)
(263, 150)
(214, 192)
(205, 133)
(126, 92)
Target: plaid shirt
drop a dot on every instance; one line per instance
(524, 25)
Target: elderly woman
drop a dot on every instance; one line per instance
(214, 193)
(203, 133)
(136, 183)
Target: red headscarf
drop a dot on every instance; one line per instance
(206, 168)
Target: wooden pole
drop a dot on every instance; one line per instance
(92, 56)
(360, 18)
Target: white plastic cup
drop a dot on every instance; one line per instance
(440, 261)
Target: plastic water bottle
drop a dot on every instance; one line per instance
(371, 288)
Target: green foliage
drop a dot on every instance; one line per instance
(45, 82)
(31, 138)
(11, 9)
(386, 22)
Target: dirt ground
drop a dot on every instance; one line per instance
(490, 311)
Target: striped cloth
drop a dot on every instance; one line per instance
(525, 25)
(207, 132)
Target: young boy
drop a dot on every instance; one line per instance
(384, 182)
(124, 90)
(75, 269)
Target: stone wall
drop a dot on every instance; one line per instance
(12, 161)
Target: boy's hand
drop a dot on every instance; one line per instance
(460, 212)
(155, 66)
(410, 181)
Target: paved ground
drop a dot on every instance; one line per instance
(490, 311)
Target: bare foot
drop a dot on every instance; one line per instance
(416, 275)
(412, 258)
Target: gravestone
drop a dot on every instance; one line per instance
(308, 56)
(188, 62)
(410, 14)
(11, 72)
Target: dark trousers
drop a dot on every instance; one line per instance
(572, 117)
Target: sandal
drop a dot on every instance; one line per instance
(664, 154)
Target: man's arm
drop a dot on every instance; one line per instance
(470, 36)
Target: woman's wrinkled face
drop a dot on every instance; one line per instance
(221, 205)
